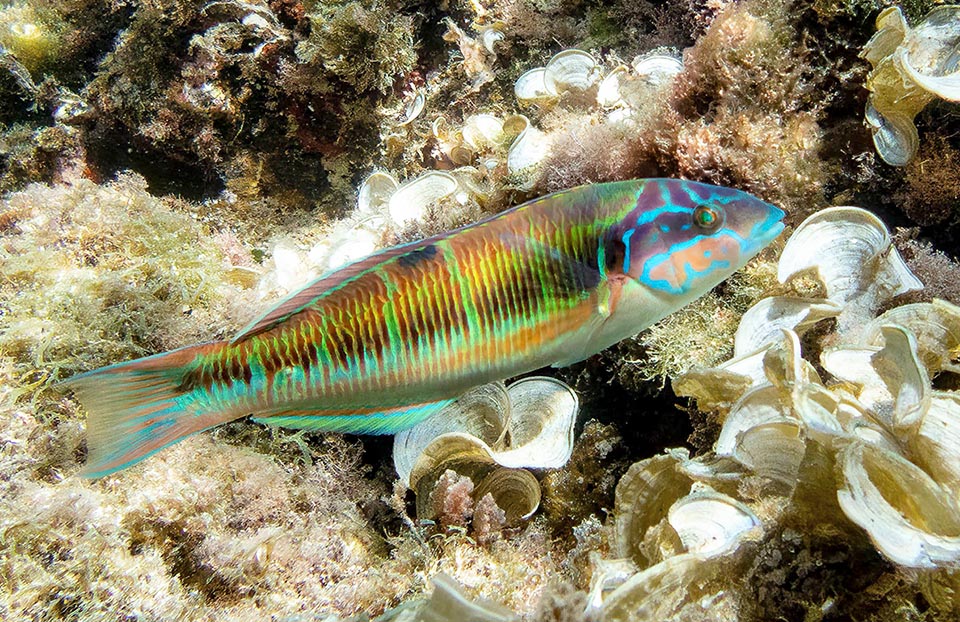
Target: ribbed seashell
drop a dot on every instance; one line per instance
(481, 412)
(911, 67)
(894, 384)
(773, 450)
(661, 591)
(449, 603)
(937, 442)
(411, 199)
(481, 131)
(710, 523)
(758, 406)
(528, 149)
(657, 68)
(543, 414)
(935, 325)
(490, 36)
(414, 108)
(850, 250)
(608, 93)
(911, 520)
(762, 323)
(375, 192)
(570, 70)
(643, 496)
(516, 492)
(528, 425)
(531, 87)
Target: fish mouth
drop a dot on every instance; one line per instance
(770, 228)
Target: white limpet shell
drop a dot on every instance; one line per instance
(448, 603)
(936, 446)
(851, 251)
(570, 70)
(531, 87)
(761, 405)
(528, 425)
(481, 412)
(911, 67)
(414, 108)
(490, 36)
(608, 93)
(643, 496)
(657, 68)
(761, 324)
(375, 193)
(543, 413)
(710, 523)
(936, 327)
(773, 450)
(482, 131)
(411, 199)
(894, 385)
(911, 520)
(660, 591)
(528, 149)
(516, 492)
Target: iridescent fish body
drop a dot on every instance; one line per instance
(380, 344)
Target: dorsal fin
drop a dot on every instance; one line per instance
(301, 298)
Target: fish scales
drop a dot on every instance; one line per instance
(380, 344)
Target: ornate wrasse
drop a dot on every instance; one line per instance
(378, 345)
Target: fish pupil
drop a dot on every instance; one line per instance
(707, 217)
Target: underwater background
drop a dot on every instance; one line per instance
(168, 169)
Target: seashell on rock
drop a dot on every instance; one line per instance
(659, 592)
(936, 446)
(850, 250)
(414, 108)
(710, 523)
(449, 603)
(643, 497)
(375, 193)
(758, 406)
(570, 70)
(894, 385)
(608, 93)
(657, 69)
(531, 86)
(910, 519)
(516, 492)
(761, 323)
(481, 131)
(936, 327)
(481, 412)
(411, 199)
(489, 435)
(911, 67)
(527, 150)
(773, 450)
(545, 440)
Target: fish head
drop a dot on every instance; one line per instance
(683, 238)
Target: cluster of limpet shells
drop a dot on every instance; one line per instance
(487, 150)
(911, 68)
(494, 435)
(871, 441)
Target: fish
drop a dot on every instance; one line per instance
(378, 345)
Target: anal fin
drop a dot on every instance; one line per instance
(356, 420)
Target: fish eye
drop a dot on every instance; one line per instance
(708, 217)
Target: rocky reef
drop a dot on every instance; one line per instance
(784, 448)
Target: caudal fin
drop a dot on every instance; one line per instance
(137, 408)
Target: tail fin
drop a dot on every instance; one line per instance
(137, 408)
